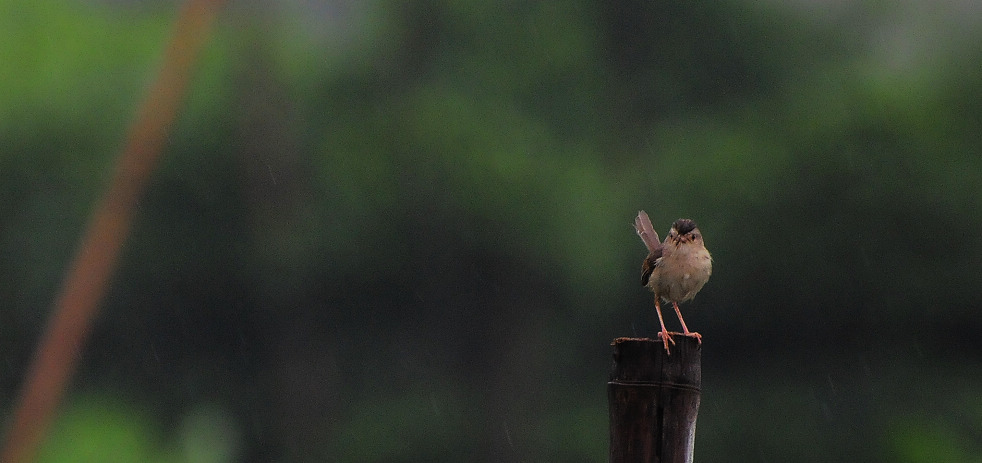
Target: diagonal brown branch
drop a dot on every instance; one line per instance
(90, 271)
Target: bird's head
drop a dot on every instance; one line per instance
(684, 231)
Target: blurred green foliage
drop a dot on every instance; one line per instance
(101, 428)
(401, 232)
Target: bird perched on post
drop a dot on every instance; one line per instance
(674, 270)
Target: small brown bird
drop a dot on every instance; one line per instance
(674, 270)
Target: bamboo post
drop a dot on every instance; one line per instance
(654, 399)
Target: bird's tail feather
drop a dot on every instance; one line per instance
(646, 231)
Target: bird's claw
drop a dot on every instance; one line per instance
(666, 338)
(694, 335)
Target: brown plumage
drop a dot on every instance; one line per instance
(674, 270)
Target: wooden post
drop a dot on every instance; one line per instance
(654, 399)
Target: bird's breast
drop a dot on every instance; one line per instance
(680, 278)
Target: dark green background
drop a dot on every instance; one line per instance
(396, 233)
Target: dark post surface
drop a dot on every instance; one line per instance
(654, 399)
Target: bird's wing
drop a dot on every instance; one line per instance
(648, 266)
(642, 224)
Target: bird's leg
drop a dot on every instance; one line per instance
(663, 334)
(685, 329)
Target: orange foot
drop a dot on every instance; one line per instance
(666, 338)
(693, 334)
